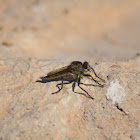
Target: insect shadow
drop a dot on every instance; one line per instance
(72, 74)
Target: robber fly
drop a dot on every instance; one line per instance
(72, 74)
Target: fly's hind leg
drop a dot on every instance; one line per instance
(59, 89)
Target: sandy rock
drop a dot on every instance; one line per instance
(30, 111)
(38, 36)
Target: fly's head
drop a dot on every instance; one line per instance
(86, 67)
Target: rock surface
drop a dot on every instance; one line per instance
(38, 36)
(30, 111)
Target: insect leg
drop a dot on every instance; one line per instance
(96, 74)
(88, 75)
(73, 88)
(83, 89)
(88, 84)
(59, 87)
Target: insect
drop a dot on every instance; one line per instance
(72, 74)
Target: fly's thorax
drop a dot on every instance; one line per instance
(76, 65)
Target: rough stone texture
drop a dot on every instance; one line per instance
(37, 36)
(30, 111)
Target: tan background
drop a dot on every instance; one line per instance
(75, 30)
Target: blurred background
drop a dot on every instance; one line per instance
(99, 30)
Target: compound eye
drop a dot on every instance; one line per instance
(85, 65)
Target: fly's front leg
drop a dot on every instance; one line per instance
(96, 74)
(88, 75)
(88, 84)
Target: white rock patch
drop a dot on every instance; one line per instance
(116, 92)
